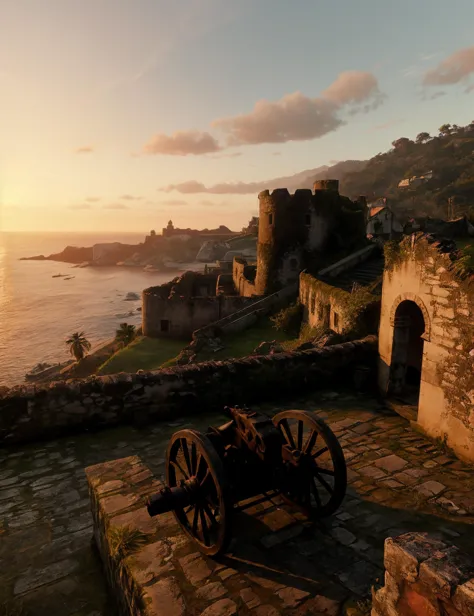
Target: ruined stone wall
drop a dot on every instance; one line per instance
(322, 305)
(179, 317)
(244, 277)
(328, 307)
(29, 413)
(419, 273)
(424, 577)
(252, 309)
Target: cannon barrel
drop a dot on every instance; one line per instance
(169, 499)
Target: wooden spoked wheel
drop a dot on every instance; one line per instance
(314, 476)
(191, 458)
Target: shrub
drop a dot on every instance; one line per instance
(288, 319)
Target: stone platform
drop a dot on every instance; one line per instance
(399, 481)
(153, 569)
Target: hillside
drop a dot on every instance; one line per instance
(448, 155)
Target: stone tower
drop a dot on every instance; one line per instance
(298, 229)
(282, 232)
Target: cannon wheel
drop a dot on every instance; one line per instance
(317, 484)
(191, 455)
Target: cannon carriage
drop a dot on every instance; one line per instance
(250, 458)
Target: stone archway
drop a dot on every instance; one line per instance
(415, 299)
(411, 328)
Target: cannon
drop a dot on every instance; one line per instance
(248, 460)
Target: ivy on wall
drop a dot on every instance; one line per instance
(454, 273)
(352, 305)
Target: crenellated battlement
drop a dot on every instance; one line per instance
(293, 226)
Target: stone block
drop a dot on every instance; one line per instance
(403, 554)
(391, 463)
(445, 570)
(463, 598)
(195, 568)
(164, 599)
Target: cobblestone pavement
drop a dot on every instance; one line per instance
(398, 481)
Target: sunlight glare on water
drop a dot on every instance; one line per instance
(38, 312)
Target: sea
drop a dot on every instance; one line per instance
(38, 311)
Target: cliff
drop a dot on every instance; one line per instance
(71, 254)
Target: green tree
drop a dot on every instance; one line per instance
(78, 345)
(402, 144)
(445, 130)
(125, 334)
(423, 137)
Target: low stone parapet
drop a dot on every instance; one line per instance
(424, 577)
(30, 413)
(154, 569)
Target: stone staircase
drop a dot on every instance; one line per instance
(241, 319)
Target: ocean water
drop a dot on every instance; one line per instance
(38, 312)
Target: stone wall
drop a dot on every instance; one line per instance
(329, 307)
(242, 319)
(29, 413)
(419, 282)
(179, 317)
(244, 277)
(322, 304)
(424, 577)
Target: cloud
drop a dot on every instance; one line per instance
(303, 179)
(455, 68)
(250, 188)
(86, 149)
(296, 117)
(130, 198)
(80, 206)
(193, 187)
(355, 88)
(116, 206)
(174, 202)
(182, 143)
(92, 199)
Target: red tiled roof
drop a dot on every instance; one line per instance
(375, 210)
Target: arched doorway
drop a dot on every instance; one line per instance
(407, 352)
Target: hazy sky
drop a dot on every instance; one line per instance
(114, 113)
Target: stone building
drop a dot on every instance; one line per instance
(426, 336)
(383, 223)
(177, 308)
(304, 230)
(345, 296)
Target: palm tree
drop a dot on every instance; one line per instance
(125, 334)
(78, 345)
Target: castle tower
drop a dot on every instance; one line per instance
(331, 185)
(282, 232)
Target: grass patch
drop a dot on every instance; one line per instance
(142, 354)
(244, 343)
(307, 334)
